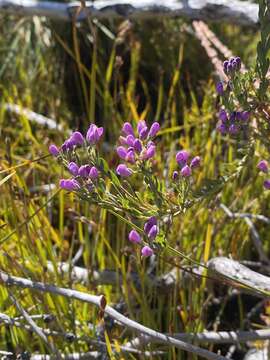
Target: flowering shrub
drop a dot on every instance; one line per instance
(150, 213)
(90, 178)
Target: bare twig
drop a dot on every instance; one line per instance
(211, 337)
(7, 320)
(9, 280)
(32, 324)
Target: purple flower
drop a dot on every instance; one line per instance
(127, 129)
(222, 129)
(84, 171)
(182, 157)
(69, 184)
(121, 152)
(141, 125)
(149, 224)
(154, 129)
(134, 237)
(68, 145)
(234, 129)
(53, 149)
(195, 162)
(130, 157)
(223, 116)
(219, 88)
(77, 138)
(266, 184)
(238, 62)
(93, 173)
(147, 251)
(245, 115)
(73, 168)
(122, 140)
(143, 133)
(263, 166)
(175, 175)
(186, 171)
(94, 134)
(123, 170)
(130, 140)
(137, 145)
(225, 66)
(153, 232)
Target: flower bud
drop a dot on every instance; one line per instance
(186, 171)
(130, 140)
(121, 152)
(143, 133)
(130, 157)
(266, 184)
(53, 149)
(93, 173)
(141, 125)
(123, 171)
(77, 138)
(175, 175)
(94, 134)
(73, 168)
(137, 145)
(222, 129)
(263, 166)
(154, 129)
(153, 232)
(245, 115)
(219, 88)
(195, 162)
(182, 157)
(84, 171)
(149, 223)
(127, 129)
(147, 251)
(234, 129)
(69, 184)
(134, 237)
(223, 116)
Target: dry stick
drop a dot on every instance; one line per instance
(233, 11)
(7, 320)
(33, 325)
(211, 337)
(74, 356)
(99, 301)
(227, 53)
(212, 53)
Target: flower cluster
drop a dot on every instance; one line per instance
(150, 232)
(83, 174)
(232, 66)
(264, 167)
(232, 123)
(182, 158)
(135, 149)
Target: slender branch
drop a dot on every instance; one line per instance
(211, 337)
(100, 301)
(32, 324)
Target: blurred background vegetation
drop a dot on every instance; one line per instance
(109, 72)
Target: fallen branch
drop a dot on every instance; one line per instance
(211, 337)
(234, 11)
(100, 301)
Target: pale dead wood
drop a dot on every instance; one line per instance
(233, 11)
(9, 280)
